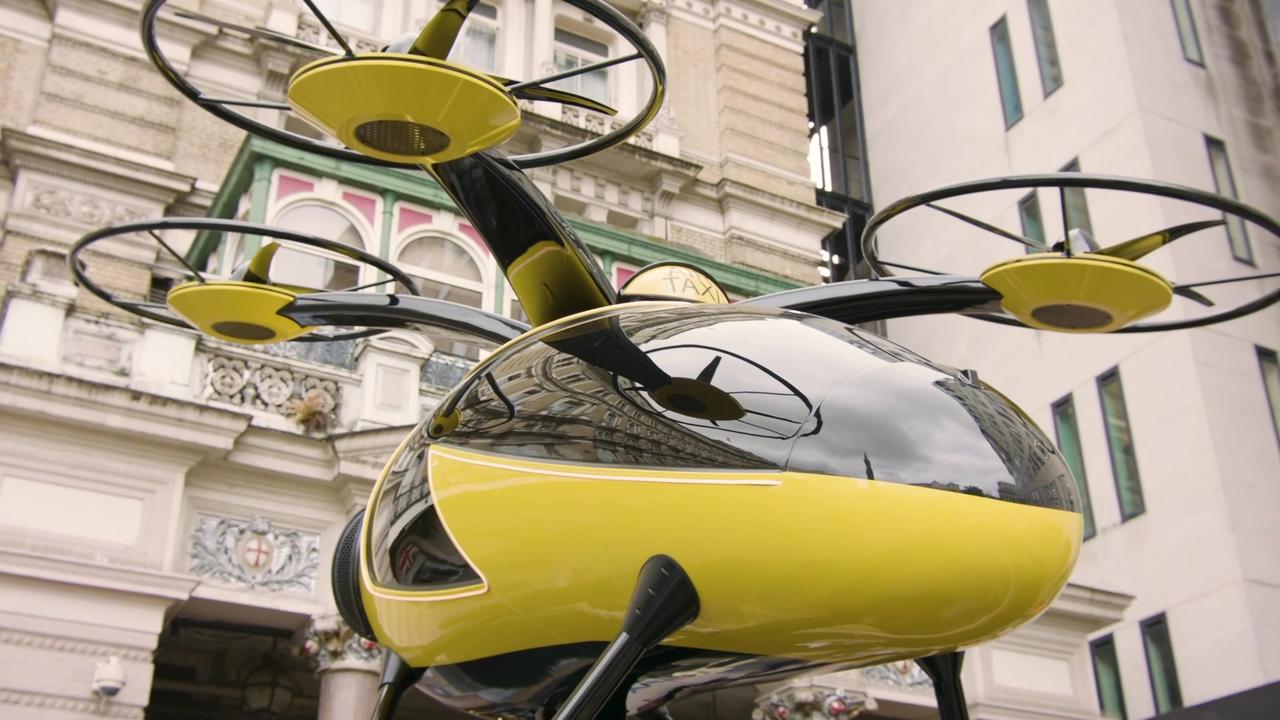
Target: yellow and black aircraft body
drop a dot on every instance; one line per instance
(835, 499)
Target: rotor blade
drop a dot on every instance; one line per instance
(1190, 294)
(1139, 246)
(581, 70)
(437, 38)
(257, 32)
(1033, 244)
(269, 104)
(564, 97)
(709, 371)
(913, 268)
(175, 253)
(1223, 281)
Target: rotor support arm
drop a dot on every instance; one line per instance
(545, 261)
(858, 301)
(375, 310)
(664, 601)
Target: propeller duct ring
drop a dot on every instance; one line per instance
(1074, 180)
(597, 9)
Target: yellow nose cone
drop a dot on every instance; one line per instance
(238, 312)
(404, 108)
(1086, 293)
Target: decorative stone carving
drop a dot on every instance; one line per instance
(812, 703)
(334, 645)
(311, 401)
(902, 674)
(254, 554)
(84, 209)
(654, 11)
(309, 30)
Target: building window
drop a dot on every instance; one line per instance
(1006, 74)
(1224, 183)
(1046, 46)
(1124, 461)
(478, 46)
(1187, 32)
(1106, 674)
(359, 14)
(1160, 664)
(574, 51)
(1032, 220)
(1077, 208)
(1068, 435)
(443, 270)
(1271, 381)
(314, 268)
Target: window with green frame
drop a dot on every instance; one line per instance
(1124, 459)
(1006, 73)
(1187, 35)
(1160, 665)
(1077, 208)
(1068, 435)
(1106, 675)
(1224, 183)
(1270, 364)
(1046, 46)
(1032, 220)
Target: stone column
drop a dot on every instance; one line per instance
(348, 668)
(542, 59)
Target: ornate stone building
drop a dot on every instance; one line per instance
(168, 502)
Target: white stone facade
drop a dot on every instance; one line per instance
(148, 475)
(1205, 550)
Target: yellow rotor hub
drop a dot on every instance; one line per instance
(239, 312)
(1086, 293)
(404, 108)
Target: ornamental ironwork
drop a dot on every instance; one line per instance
(333, 644)
(903, 674)
(254, 554)
(812, 702)
(310, 401)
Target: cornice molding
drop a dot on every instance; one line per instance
(70, 705)
(73, 646)
(729, 192)
(128, 580)
(54, 153)
(146, 416)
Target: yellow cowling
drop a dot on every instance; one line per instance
(240, 312)
(404, 108)
(1086, 293)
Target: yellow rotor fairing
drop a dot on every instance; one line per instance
(786, 564)
(1086, 293)
(239, 312)
(549, 264)
(404, 108)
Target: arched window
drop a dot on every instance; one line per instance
(443, 269)
(359, 14)
(478, 46)
(313, 268)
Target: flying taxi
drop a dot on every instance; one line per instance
(653, 492)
